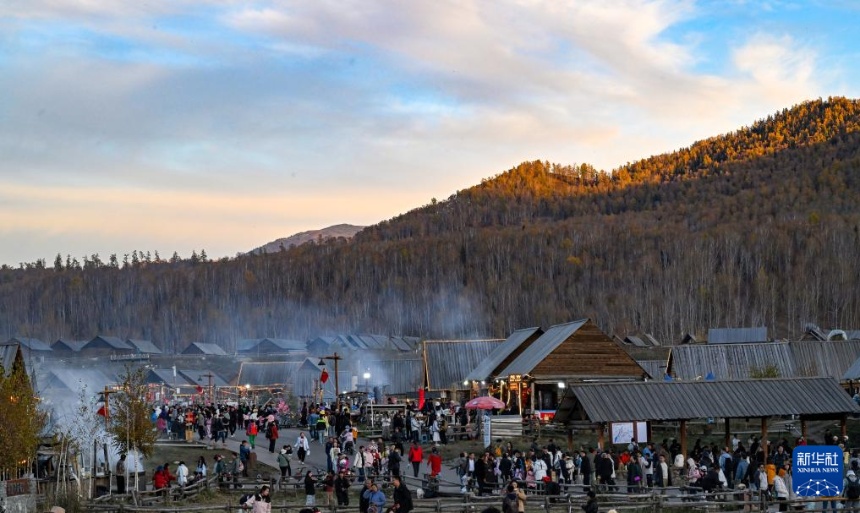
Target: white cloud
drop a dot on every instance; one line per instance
(225, 102)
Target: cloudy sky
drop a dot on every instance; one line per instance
(222, 125)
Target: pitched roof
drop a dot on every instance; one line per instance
(260, 374)
(807, 358)
(730, 361)
(853, 372)
(67, 379)
(512, 347)
(655, 400)
(69, 345)
(204, 348)
(286, 345)
(106, 342)
(162, 375)
(655, 368)
(144, 346)
(574, 349)
(832, 358)
(247, 345)
(448, 362)
(8, 353)
(201, 377)
(542, 347)
(737, 335)
(394, 376)
(33, 344)
(270, 345)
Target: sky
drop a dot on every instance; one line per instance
(222, 125)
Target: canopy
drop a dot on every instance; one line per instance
(484, 403)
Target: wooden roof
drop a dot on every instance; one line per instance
(807, 358)
(655, 400)
(448, 362)
(575, 349)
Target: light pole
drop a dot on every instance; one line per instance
(336, 359)
(369, 400)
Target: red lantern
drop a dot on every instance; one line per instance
(420, 398)
(324, 376)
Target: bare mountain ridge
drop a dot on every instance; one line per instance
(346, 231)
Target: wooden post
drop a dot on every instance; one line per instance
(600, 434)
(569, 439)
(728, 433)
(532, 398)
(764, 440)
(684, 439)
(843, 428)
(804, 430)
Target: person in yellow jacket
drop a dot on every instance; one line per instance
(770, 468)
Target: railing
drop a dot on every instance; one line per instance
(129, 357)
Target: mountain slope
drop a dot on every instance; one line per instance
(757, 227)
(346, 231)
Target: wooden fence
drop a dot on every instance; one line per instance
(670, 500)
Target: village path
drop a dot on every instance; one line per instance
(316, 460)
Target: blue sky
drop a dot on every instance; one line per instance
(222, 125)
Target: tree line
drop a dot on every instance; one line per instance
(756, 227)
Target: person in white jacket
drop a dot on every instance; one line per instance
(539, 468)
(182, 474)
(780, 492)
(303, 448)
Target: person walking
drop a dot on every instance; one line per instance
(272, 435)
(402, 497)
(284, 461)
(375, 498)
(310, 489)
(251, 432)
(416, 456)
(341, 489)
(120, 475)
(302, 446)
(262, 502)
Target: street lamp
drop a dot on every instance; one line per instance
(336, 359)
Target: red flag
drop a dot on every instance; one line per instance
(420, 398)
(323, 376)
(102, 411)
(199, 389)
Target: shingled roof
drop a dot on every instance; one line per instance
(655, 400)
(807, 358)
(505, 353)
(448, 362)
(574, 349)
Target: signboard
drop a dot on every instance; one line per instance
(623, 432)
(545, 415)
(17, 487)
(817, 471)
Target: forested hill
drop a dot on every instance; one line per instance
(782, 157)
(756, 227)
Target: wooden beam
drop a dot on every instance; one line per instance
(764, 441)
(804, 431)
(532, 397)
(600, 433)
(843, 428)
(684, 439)
(728, 439)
